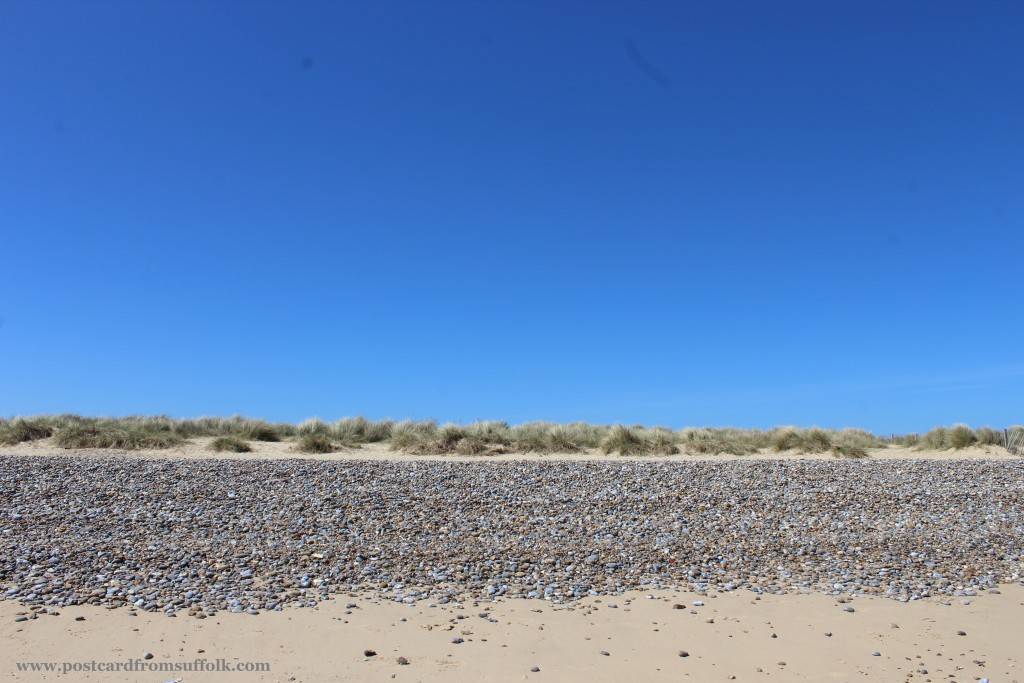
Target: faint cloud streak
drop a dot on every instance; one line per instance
(652, 71)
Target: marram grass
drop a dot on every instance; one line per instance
(230, 444)
(427, 437)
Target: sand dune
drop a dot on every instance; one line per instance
(198, 448)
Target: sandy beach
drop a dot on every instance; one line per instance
(734, 636)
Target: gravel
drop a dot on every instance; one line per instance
(199, 536)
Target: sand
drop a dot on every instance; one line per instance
(199, 448)
(731, 636)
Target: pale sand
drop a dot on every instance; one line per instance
(199, 448)
(642, 639)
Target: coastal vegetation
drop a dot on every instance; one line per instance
(428, 437)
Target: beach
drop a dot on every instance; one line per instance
(484, 568)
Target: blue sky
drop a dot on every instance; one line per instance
(715, 213)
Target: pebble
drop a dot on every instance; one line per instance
(684, 653)
(402, 661)
(534, 669)
(369, 653)
(303, 531)
(147, 655)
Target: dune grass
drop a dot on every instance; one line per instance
(721, 441)
(958, 437)
(986, 436)
(126, 436)
(357, 430)
(20, 430)
(637, 440)
(313, 442)
(427, 437)
(231, 444)
(846, 450)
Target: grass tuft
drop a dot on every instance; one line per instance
(846, 450)
(624, 441)
(812, 440)
(312, 442)
(934, 440)
(961, 436)
(357, 430)
(231, 444)
(313, 425)
(124, 435)
(956, 437)
(988, 436)
(261, 431)
(636, 440)
(20, 430)
(719, 441)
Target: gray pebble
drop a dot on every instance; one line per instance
(528, 507)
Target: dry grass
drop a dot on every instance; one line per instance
(20, 430)
(357, 430)
(315, 443)
(126, 436)
(719, 441)
(637, 440)
(230, 444)
(478, 438)
(988, 437)
(958, 437)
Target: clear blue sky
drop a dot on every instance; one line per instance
(714, 213)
